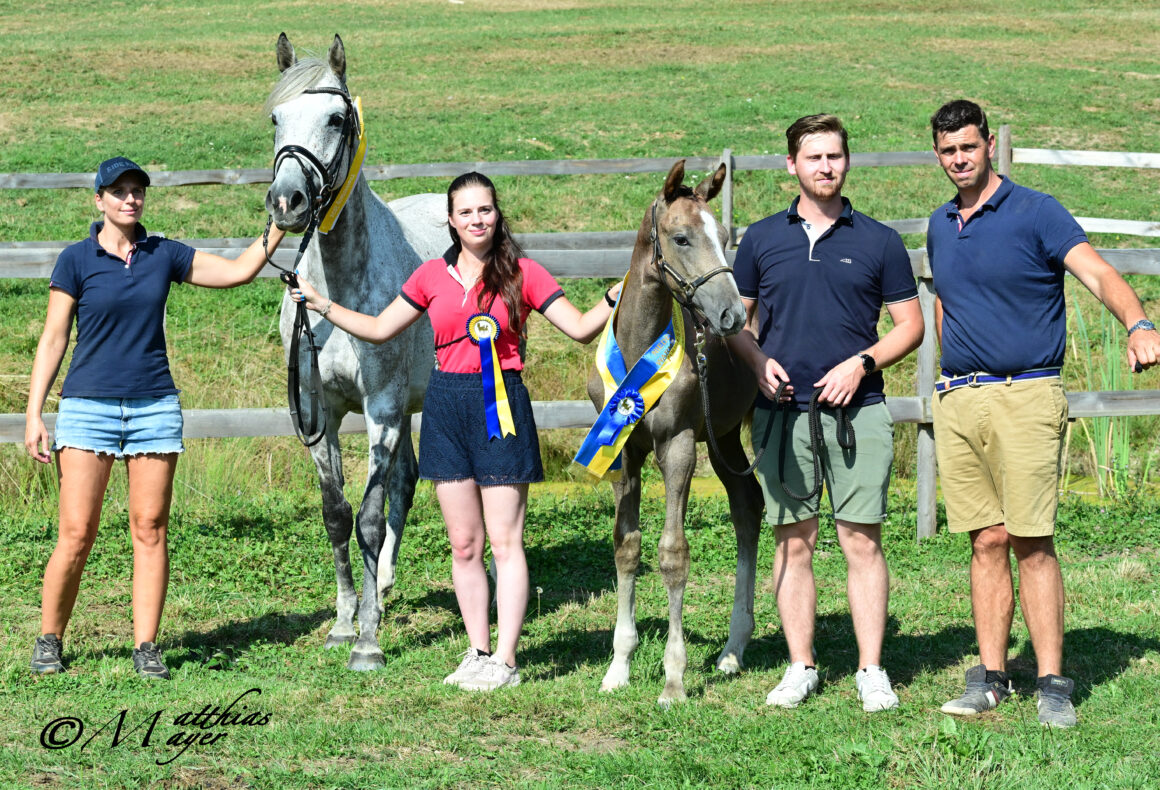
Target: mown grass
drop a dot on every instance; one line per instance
(251, 600)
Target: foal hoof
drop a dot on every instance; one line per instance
(365, 662)
(334, 640)
(729, 664)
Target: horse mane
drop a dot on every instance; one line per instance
(298, 78)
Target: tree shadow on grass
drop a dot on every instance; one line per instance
(237, 636)
(1091, 656)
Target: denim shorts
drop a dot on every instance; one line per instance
(120, 426)
(453, 441)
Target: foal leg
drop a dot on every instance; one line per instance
(745, 506)
(626, 543)
(676, 457)
(336, 516)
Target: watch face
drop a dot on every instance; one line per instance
(867, 363)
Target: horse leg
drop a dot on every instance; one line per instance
(626, 542)
(677, 456)
(370, 529)
(745, 506)
(336, 516)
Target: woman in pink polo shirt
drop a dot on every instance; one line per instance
(478, 297)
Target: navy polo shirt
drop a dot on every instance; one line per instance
(120, 345)
(1000, 279)
(820, 306)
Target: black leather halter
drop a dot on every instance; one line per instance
(311, 428)
(684, 290)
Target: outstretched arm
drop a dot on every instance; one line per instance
(1106, 284)
(581, 326)
(380, 328)
(214, 271)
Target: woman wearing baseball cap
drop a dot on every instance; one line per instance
(118, 400)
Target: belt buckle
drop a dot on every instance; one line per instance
(973, 380)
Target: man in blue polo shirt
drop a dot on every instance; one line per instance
(813, 280)
(998, 252)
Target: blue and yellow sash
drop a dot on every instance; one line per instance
(483, 330)
(628, 394)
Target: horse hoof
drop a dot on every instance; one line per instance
(338, 640)
(666, 702)
(614, 679)
(365, 662)
(729, 664)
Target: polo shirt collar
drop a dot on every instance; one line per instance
(847, 215)
(1006, 185)
(451, 257)
(94, 229)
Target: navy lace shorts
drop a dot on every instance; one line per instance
(453, 443)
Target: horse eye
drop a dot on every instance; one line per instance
(335, 120)
(273, 119)
(681, 241)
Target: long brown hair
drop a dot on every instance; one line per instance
(501, 273)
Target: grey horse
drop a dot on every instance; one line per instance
(362, 262)
(680, 243)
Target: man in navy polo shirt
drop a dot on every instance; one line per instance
(813, 280)
(998, 252)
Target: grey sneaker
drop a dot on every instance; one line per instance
(147, 662)
(492, 674)
(979, 695)
(798, 683)
(473, 659)
(874, 690)
(46, 655)
(1055, 708)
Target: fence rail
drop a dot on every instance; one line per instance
(606, 254)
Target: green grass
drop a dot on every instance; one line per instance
(252, 596)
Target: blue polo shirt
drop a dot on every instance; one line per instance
(1000, 279)
(120, 345)
(819, 306)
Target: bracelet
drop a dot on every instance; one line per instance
(608, 298)
(325, 310)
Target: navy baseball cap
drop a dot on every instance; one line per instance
(112, 169)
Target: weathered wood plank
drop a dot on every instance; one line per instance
(1047, 156)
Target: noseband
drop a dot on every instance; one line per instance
(684, 290)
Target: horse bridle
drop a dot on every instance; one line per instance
(685, 290)
(310, 430)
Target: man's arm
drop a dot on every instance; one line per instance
(744, 346)
(1106, 284)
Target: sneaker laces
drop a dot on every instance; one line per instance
(875, 681)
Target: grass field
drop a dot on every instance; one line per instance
(176, 85)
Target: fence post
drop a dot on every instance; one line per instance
(727, 195)
(925, 469)
(1005, 150)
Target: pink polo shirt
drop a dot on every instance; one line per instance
(433, 289)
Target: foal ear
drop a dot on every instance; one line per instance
(338, 59)
(673, 181)
(709, 188)
(285, 53)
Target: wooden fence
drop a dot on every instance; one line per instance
(571, 255)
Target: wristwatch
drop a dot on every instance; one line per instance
(868, 363)
(1143, 323)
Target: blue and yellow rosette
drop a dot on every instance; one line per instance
(628, 394)
(483, 330)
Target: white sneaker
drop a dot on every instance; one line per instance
(492, 674)
(473, 658)
(874, 690)
(798, 683)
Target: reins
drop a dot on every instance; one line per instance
(310, 429)
(845, 441)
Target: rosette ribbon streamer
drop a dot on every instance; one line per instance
(628, 394)
(483, 330)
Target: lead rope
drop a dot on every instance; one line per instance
(310, 430)
(845, 441)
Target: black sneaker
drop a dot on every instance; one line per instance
(46, 655)
(1055, 708)
(147, 662)
(980, 695)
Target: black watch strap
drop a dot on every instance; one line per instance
(868, 363)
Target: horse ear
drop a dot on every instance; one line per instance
(285, 52)
(673, 181)
(338, 59)
(709, 188)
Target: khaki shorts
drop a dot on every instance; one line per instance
(857, 481)
(999, 449)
